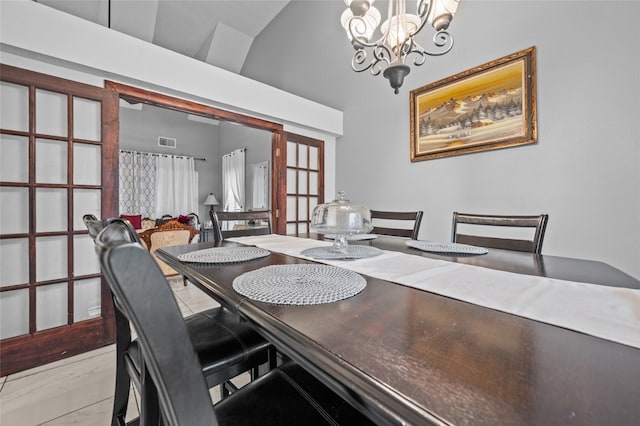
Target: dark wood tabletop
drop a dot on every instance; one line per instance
(406, 356)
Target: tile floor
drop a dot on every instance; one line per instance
(79, 390)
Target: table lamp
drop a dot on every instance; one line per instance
(211, 201)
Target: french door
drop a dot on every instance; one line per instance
(57, 164)
(304, 181)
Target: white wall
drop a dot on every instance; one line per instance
(585, 169)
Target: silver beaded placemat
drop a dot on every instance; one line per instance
(299, 284)
(353, 252)
(444, 247)
(224, 255)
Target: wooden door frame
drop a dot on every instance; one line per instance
(305, 140)
(40, 347)
(133, 95)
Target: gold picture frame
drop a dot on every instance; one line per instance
(491, 106)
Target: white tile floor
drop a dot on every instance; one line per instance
(79, 390)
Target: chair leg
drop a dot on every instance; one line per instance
(226, 389)
(149, 405)
(123, 381)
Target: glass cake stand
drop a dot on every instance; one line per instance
(341, 218)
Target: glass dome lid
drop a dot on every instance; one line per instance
(341, 217)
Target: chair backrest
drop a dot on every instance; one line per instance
(95, 225)
(243, 224)
(534, 245)
(412, 220)
(145, 298)
(189, 232)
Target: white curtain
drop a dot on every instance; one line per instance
(137, 183)
(233, 165)
(176, 186)
(259, 187)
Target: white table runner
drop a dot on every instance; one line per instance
(610, 313)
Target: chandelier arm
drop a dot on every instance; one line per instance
(424, 6)
(360, 59)
(358, 38)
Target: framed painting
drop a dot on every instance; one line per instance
(491, 106)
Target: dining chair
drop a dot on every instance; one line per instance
(536, 223)
(241, 224)
(172, 233)
(226, 347)
(286, 395)
(385, 220)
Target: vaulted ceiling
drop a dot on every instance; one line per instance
(219, 32)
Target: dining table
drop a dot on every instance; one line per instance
(445, 337)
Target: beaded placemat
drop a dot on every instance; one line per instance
(443, 247)
(224, 255)
(353, 237)
(353, 252)
(299, 284)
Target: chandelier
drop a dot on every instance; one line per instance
(397, 42)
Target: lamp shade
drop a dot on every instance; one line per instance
(211, 200)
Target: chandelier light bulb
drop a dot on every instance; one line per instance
(398, 28)
(442, 12)
(362, 28)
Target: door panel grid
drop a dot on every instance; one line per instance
(51, 141)
(304, 181)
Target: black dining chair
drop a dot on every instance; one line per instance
(536, 223)
(383, 220)
(286, 395)
(240, 224)
(226, 346)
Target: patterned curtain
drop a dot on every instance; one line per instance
(137, 183)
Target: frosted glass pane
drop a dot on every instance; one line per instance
(14, 104)
(85, 201)
(291, 181)
(86, 119)
(302, 182)
(313, 183)
(14, 261)
(313, 157)
(303, 228)
(302, 155)
(14, 313)
(14, 158)
(292, 149)
(14, 210)
(51, 113)
(313, 202)
(291, 208)
(51, 210)
(51, 258)
(302, 209)
(85, 260)
(51, 306)
(86, 299)
(291, 228)
(86, 164)
(51, 161)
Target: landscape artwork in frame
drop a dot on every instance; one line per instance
(488, 107)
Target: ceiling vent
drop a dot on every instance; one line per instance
(166, 142)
